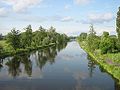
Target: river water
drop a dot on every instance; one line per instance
(63, 67)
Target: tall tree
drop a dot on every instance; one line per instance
(13, 38)
(52, 34)
(91, 39)
(92, 31)
(118, 24)
(118, 29)
(28, 36)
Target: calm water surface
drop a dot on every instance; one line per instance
(64, 67)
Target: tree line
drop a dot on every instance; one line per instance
(106, 43)
(29, 39)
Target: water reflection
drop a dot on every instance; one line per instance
(117, 85)
(1, 66)
(14, 66)
(19, 64)
(92, 66)
(46, 69)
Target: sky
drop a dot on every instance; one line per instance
(68, 16)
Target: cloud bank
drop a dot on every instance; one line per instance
(21, 5)
(98, 18)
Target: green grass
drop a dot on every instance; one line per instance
(6, 46)
(113, 67)
(115, 57)
(3, 43)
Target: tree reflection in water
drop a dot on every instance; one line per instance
(14, 66)
(91, 65)
(1, 62)
(48, 55)
(42, 57)
(27, 64)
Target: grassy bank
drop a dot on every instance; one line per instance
(110, 62)
(8, 50)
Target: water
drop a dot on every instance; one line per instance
(56, 68)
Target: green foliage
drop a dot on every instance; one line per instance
(72, 37)
(118, 24)
(13, 38)
(105, 34)
(45, 41)
(107, 44)
(1, 49)
(104, 49)
(92, 40)
(118, 45)
(17, 42)
(28, 36)
(118, 29)
(82, 36)
(92, 31)
(1, 36)
(5, 46)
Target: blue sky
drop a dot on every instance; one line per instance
(67, 16)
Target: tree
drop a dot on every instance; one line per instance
(92, 31)
(45, 41)
(118, 29)
(118, 24)
(1, 36)
(36, 40)
(13, 38)
(41, 29)
(1, 49)
(92, 39)
(105, 34)
(52, 34)
(83, 36)
(107, 44)
(27, 37)
(38, 36)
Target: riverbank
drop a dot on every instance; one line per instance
(19, 51)
(108, 61)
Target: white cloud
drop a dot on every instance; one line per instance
(67, 7)
(21, 5)
(82, 1)
(99, 18)
(101, 29)
(67, 19)
(3, 12)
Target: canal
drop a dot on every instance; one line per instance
(63, 67)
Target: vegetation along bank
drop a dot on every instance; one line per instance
(105, 49)
(17, 42)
